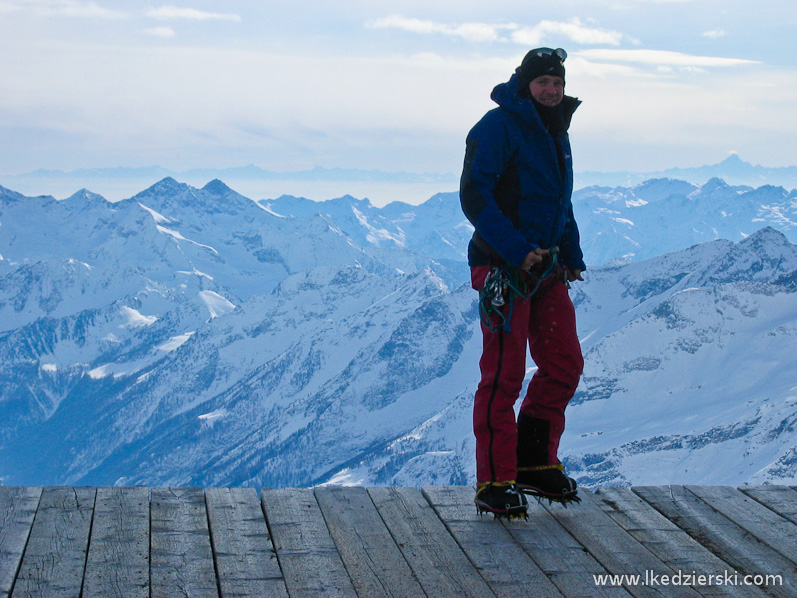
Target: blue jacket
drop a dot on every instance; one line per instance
(514, 189)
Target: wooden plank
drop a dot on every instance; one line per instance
(307, 554)
(775, 531)
(55, 556)
(374, 562)
(440, 565)
(781, 499)
(17, 510)
(118, 559)
(246, 564)
(668, 542)
(721, 536)
(561, 557)
(181, 559)
(616, 549)
(502, 562)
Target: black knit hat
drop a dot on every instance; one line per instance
(539, 62)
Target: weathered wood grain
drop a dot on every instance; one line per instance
(181, 555)
(616, 549)
(372, 559)
(557, 553)
(55, 555)
(17, 509)
(780, 499)
(307, 554)
(118, 559)
(440, 565)
(246, 563)
(775, 531)
(502, 562)
(743, 551)
(672, 545)
(345, 542)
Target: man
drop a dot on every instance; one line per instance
(516, 190)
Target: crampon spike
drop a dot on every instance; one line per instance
(563, 499)
(508, 515)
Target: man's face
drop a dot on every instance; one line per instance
(548, 90)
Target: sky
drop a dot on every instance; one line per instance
(391, 86)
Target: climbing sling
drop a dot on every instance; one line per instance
(505, 284)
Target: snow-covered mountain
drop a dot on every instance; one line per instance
(626, 223)
(692, 377)
(663, 215)
(195, 336)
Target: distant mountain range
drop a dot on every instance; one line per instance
(249, 172)
(380, 187)
(733, 170)
(318, 183)
(193, 336)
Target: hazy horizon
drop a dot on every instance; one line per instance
(664, 83)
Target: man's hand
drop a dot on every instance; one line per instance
(574, 275)
(533, 258)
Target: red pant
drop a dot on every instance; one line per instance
(547, 325)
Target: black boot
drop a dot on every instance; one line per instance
(502, 500)
(535, 476)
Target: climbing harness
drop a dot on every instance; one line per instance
(505, 284)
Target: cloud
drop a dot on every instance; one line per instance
(663, 58)
(715, 33)
(474, 32)
(574, 30)
(9, 7)
(67, 8)
(164, 32)
(176, 12)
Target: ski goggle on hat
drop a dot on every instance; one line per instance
(559, 52)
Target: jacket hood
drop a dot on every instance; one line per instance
(508, 97)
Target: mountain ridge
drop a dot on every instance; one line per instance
(260, 183)
(194, 336)
(732, 169)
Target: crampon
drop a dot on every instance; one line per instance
(502, 500)
(564, 498)
(548, 482)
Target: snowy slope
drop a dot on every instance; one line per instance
(437, 228)
(699, 385)
(277, 392)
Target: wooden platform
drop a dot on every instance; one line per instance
(137, 542)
